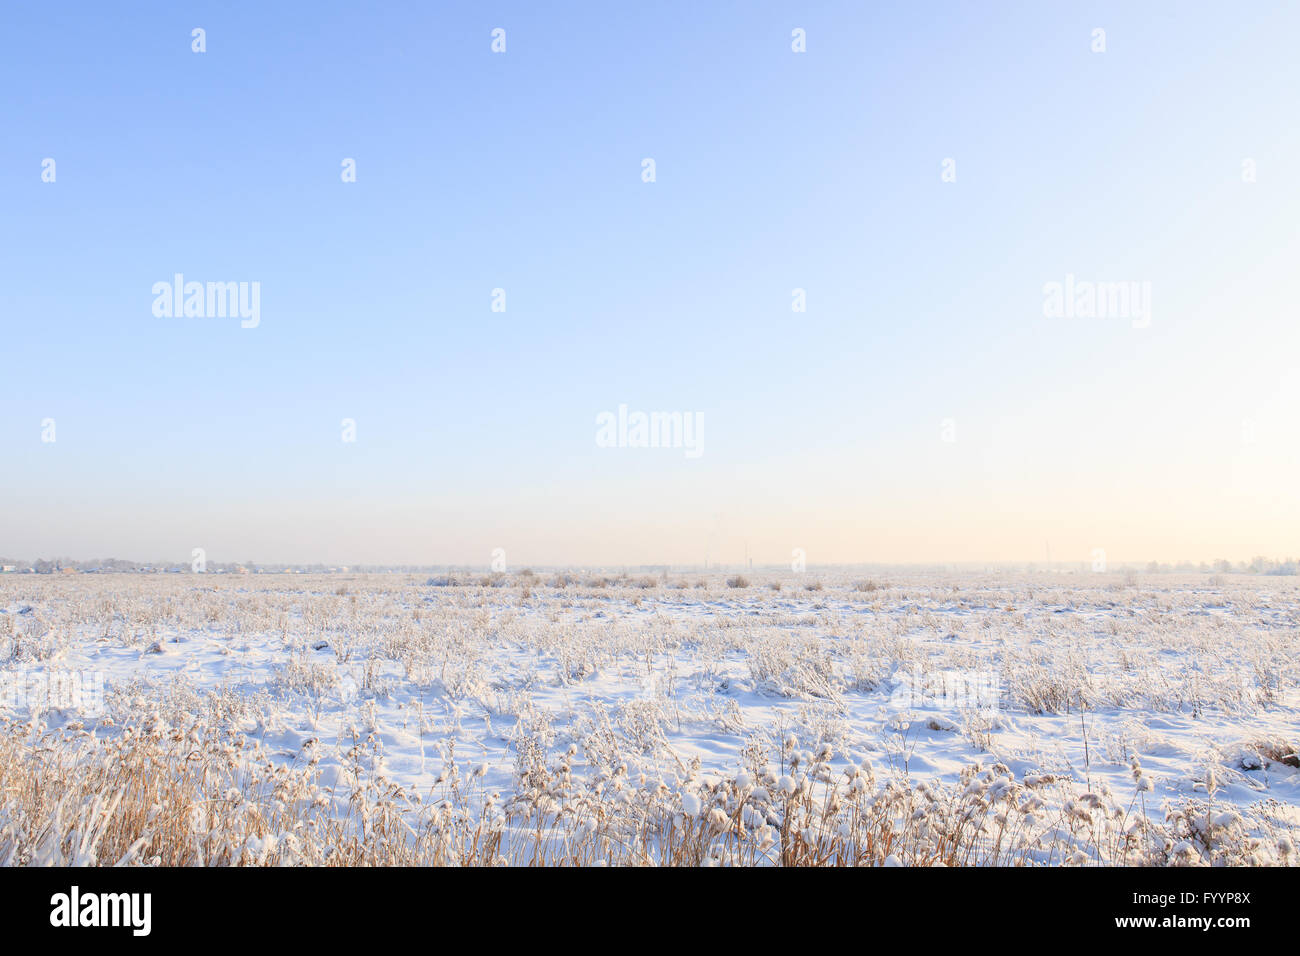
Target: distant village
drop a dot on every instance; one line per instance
(118, 566)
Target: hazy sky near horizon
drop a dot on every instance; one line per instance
(923, 407)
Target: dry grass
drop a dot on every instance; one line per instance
(179, 796)
(579, 710)
(1279, 751)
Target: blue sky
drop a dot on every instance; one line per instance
(775, 171)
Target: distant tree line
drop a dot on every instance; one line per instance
(1256, 565)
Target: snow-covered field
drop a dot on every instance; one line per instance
(797, 718)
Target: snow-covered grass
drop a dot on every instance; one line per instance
(814, 719)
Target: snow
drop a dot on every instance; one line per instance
(1165, 691)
